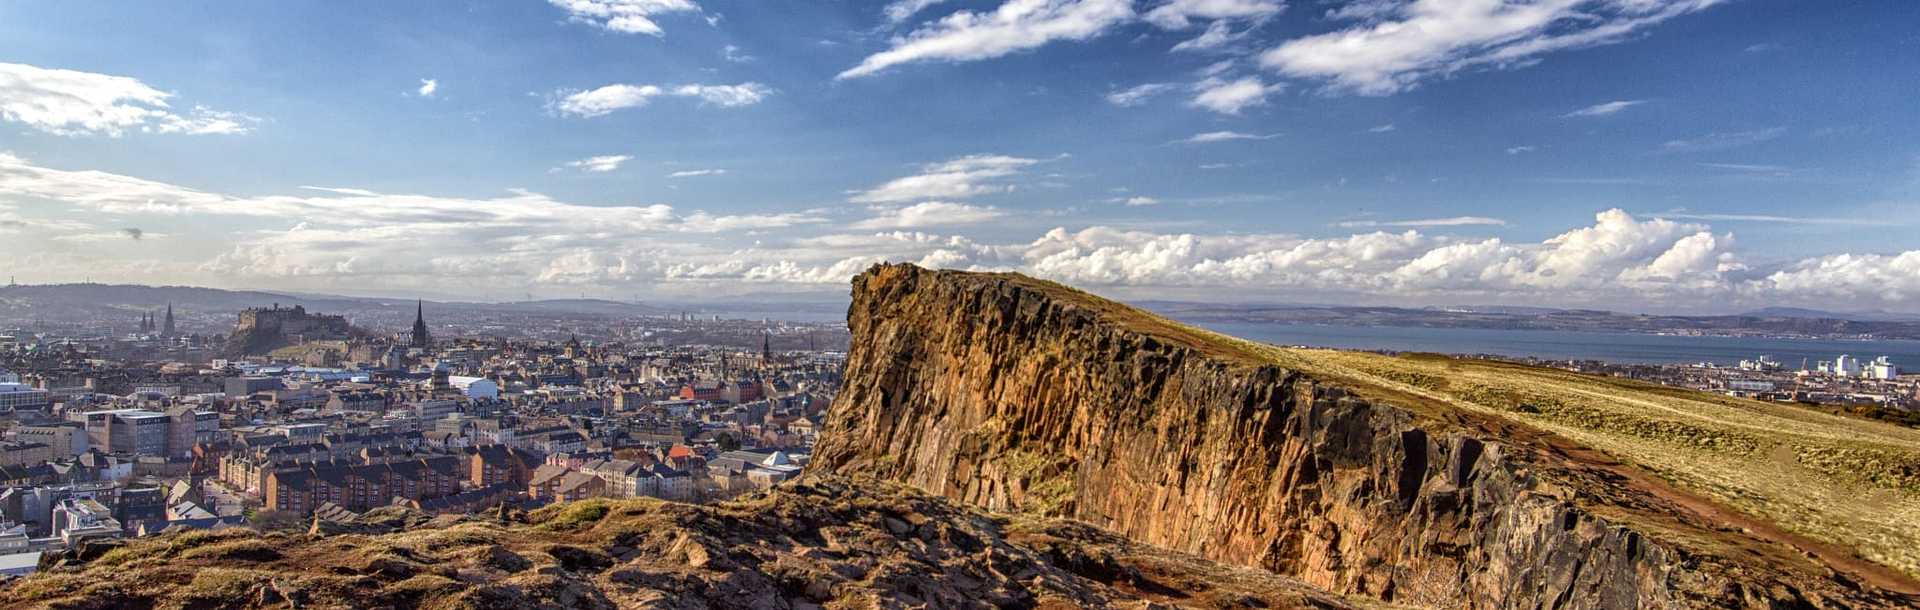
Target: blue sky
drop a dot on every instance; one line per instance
(1669, 155)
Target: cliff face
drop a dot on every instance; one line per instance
(1019, 395)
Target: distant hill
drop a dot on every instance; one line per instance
(213, 310)
(1862, 316)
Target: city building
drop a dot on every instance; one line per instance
(16, 396)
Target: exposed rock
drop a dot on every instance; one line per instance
(769, 551)
(1019, 395)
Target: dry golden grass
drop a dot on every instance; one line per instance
(1841, 480)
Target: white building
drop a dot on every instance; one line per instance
(1846, 366)
(429, 410)
(1883, 369)
(475, 387)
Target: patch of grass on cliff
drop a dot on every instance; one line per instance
(1046, 481)
(220, 588)
(570, 516)
(233, 550)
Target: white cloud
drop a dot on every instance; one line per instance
(363, 239)
(1140, 200)
(1604, 109)
(1225, 136)
(624, 16)
(1180, 14)
(1722, 140)
(1018, 25)
(1382, 128)
(1218, 36)
(1138, 94)
(427, 88)
(607, 99)
(1396, 45)
(726, 96)
(602, 163)
(1233, 96)
(929, 214)
(899, 11)
(1850, 278)
(604, 100)
(958, 178)
(1521, 149)
(734, 54)
(1452, 221)
(74, 103)
(691, 173)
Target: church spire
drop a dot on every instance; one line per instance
(421, 338)
(168, 330)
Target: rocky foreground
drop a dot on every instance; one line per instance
(825, 543)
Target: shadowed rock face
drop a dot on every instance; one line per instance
(1019, 395)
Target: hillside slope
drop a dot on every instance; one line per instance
(1021, 395)
(832, 543)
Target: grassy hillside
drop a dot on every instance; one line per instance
(1840, 480)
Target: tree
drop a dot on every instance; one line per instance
(727, 442)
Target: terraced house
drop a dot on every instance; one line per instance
(359, 487)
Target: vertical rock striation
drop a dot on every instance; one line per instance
(1019, 395)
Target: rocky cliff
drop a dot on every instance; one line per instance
(1019, 395)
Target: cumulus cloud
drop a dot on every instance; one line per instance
(929, 214)
(694, 173)
(75, 103)
(1233, 96)
(1018, 25)
(1393, 45)
(602, 163)
(1856, 278)
(334, 236)
(427, 88)
(1604, 109)
(958, 178)
(624, 16)
(605, 100)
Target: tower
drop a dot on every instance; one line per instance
(167, 330)
(420, 337)
(766, 349)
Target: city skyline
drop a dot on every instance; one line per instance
(1640, 155)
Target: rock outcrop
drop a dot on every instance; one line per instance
(826, 543)
(1025, 396)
